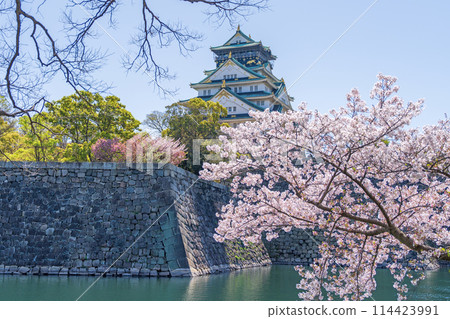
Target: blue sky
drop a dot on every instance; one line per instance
(406, 38)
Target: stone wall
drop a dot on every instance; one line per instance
(79, 218)
(297, 247)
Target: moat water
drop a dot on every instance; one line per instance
(275, 283)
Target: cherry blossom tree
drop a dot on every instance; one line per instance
(142, 148)
(375, 189)
(108, 150)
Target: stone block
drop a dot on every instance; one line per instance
(73, 271)
(161, 261)
(54, 270)
(173, 264)
(64, 271)
(134, 272)
(120, 271)
(112, 271)
(164, 268)
(24, 270)
(181, 272)
(44, 270)
(82, 272)
(164, 274)
(144, 272)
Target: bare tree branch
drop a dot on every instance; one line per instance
(31, 54)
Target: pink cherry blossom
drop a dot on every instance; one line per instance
(143, 148)
(374, 187)
(108, 150)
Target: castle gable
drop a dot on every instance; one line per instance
(238, 38)
(231, 70)
(237, 104)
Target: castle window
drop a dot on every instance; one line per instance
(235, 90)
(251, 88)
(209, 92)
(256, 88)
(262, 102)
(204, 92)
(234, 108)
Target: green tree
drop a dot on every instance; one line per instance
(70, 126)
(83, 119)
(40, 140)
(194, 120)
(9, 136)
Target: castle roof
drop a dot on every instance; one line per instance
(236, 45)
(237, 37)
(239, 97)
(240, 40)
(230, 61)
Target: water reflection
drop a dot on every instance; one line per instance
(246, 284)
(239, 285)
(266, 283)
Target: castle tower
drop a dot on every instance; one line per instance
(243, 79)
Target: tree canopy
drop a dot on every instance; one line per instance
(9, 136)
(191, 122)
(86, 116)
(70, 126)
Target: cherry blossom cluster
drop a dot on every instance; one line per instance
(142, 148)
(108, 150)
(375, 189)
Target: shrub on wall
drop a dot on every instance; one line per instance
(143, 148)
(108, 150)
